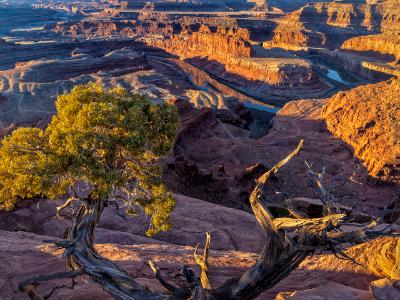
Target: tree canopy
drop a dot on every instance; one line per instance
(108, 139)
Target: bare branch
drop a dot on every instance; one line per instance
(288, 241)
(262, 214)
(203, 263)
(293, 224)
(64, 206)
(161, 279)
(325, 195)
(28, 285)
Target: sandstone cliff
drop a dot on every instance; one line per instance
(387, 43)
(321, 25)
(220, 43)
(368, 119)
(386, 18)
(331, 24)
(226, 53)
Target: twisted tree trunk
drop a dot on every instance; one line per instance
(281, 254)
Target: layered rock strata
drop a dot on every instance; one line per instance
(330, 24)
(368, 119)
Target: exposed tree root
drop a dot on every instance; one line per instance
(28, 285)
(280, 256)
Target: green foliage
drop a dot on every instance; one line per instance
(109, 139)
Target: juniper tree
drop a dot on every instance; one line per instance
(108, 141)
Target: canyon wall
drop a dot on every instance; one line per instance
(331, 24)
(368, 119)
(351, 25)
(387, 20)
(225, 51)
(352, 62)
(321, 25)
(387, 43)
(219, 43)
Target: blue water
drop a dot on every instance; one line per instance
(334, 75)
(270, 109)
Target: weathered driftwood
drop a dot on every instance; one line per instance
(282, 253)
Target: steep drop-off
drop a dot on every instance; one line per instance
(227, 54)
(387, 43)
(386, 18)
(368, 119)
(331, 24)
(219, 43)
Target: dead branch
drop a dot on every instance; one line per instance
(161, 279)
(203, 263)
(282, 252)
(28, 285)
(65, 205)
(325, 195)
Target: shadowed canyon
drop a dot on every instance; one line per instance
(249, 79)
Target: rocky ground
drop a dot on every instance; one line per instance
(236, 239)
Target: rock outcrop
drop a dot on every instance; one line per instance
(387, 43)
(368, 119)
(23, 253)
(386, 18)
(233, 54)
(321, 25)
(212, 160)
(220, 43)
(331, 24)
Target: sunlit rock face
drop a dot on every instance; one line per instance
(331, 24)
(231, 48)
(228, 54)
(214, 42)
(368, 118)
(386, 17)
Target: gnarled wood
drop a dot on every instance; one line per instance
(203, 263)
(280, 256)
(28, 285)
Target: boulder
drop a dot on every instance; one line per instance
(383, 289)
(329, 291)
(231, 229)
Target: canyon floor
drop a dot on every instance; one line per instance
(250, 79)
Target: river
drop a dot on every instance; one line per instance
(334, 75)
